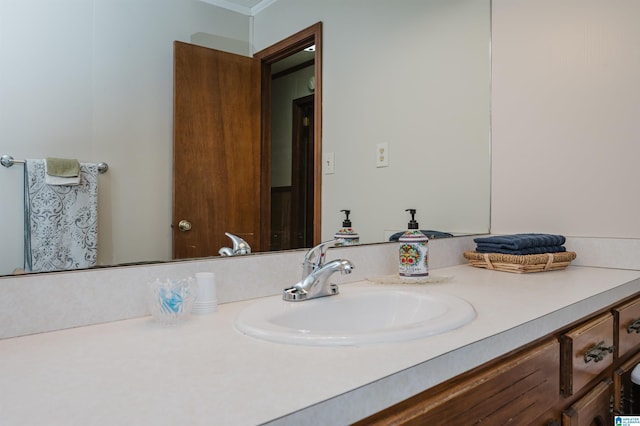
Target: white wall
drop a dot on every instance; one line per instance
(566, 117)
(92, 79)
(415, 75)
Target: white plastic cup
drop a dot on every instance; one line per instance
(206, 287)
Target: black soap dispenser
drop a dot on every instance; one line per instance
(413, 252)
(348, 236)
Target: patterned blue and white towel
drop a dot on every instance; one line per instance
(61, 222)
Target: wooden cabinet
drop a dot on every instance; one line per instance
(624, 395)
(514, 392)
(628, 328)
(592, 409)
(579, 375)
(587, 350)
(627, 331)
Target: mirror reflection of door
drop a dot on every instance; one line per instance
(292, 156)
(298, 54)
(217, 150)
(223, 150)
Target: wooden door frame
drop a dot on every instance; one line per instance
(308, 37)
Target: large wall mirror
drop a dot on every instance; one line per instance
(93, 80)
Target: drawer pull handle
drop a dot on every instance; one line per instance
(598, 352)
(634, 327)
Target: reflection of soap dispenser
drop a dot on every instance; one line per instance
(347, 233)
(414, 251)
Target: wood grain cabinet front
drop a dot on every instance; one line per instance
(515, 391)
(586, 351)
(628, 327)
(626, 398)
(593, 409)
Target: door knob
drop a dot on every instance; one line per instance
(184, 225)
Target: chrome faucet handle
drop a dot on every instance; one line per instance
(316, 256)
(317, 283)
(240, 246)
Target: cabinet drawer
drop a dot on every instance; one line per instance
(628, 320)
(591, 409)
(586, 351)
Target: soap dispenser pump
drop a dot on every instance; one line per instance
(414, 252)
(346, 233)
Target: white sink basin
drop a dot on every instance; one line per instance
(356, 316)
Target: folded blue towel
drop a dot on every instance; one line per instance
(429, 233)
(492, 248)
(522, 241)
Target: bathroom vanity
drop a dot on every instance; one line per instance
(574, 376)
(205, 371)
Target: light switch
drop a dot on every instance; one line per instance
(328, 163)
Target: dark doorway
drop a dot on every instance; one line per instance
(302, 179)
(275, 234)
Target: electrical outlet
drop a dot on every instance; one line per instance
(382, 155)
(328, 163)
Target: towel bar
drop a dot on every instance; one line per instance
(8, 161)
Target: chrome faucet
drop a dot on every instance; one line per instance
(315, 275)
(240, 247)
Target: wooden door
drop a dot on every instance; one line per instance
(216, 150)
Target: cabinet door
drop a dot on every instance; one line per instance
(515, 391)
(587, 351)
(628, 331)
(623, 395)
(593, 409)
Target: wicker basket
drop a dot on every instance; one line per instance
(520, 264)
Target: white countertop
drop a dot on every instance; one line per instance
(205, 372)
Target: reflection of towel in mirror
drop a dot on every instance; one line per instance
(429, 234)
(61, 226)
(61, 174)
(62, 167)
